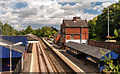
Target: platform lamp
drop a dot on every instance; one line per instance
(4, 44)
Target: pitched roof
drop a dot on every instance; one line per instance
(15, 39)
(31, 37)
(87, 49)
(78, 23)
(17, 48)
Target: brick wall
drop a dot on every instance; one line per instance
(68, 37)
(85, 33)
(76, 36)
(72, 30)
(108, 45)
(77, 31)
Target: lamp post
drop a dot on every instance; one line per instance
(4, 44)
(10, 59)
(11, 54)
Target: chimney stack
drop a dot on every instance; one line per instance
(86, 20)
(76, 18)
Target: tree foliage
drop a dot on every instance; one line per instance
(6, 29)
(1, 25)
(46, 31)
(99, 27)
(109, 64)
(92, 29)
(28, 30)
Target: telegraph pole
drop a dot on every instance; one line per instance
(108, 21)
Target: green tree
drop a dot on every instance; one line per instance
(7, 30)
(34, 32)
(1, 25)
(110, 66)
(39, 32)
(46, 31)
(54, 29)
(28, 30)
(17, 32)
(22, 32)
(102, 24)
(92, 28)
(54, 32)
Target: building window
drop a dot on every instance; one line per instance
(72, 36)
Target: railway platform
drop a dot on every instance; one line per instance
(87, 67)
(48, 57)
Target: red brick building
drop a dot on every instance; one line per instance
(75, 30)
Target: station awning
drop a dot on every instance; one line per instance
(92, 50)
(18, 48)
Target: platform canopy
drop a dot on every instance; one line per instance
(31, 37)
(18, 48)
(92, 50)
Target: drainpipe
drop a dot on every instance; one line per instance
(81, 36)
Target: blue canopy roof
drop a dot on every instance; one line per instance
(112, 54)
(16, 50)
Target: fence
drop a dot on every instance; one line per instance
(108, 45)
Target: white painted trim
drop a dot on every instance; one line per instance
(4, 44)
(33, 41)
(78, 41)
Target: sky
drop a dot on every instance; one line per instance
(39, 13)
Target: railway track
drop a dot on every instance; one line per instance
(48, 61)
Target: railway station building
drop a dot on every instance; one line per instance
(75, 30)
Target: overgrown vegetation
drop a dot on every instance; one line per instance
(6, 29)
(98, 26)
(110, 66)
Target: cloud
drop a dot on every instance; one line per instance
(22, 13)
(106, 4)
(77, 6)
(96, 7)
(103, 5)
(86, 0)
